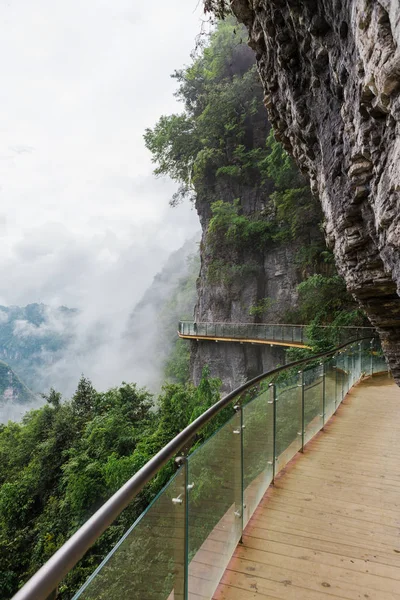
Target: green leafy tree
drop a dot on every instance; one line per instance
(84, 400)
(215, 138)
(65, 459)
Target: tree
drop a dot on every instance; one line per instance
(216, 135)
(53, 397)
(84, 400)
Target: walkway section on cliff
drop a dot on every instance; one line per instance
(294, 336)
(334, 506)
(329, 527)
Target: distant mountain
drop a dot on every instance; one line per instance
(14, 395)
(154, 321)
(33, 336)
(45, 346)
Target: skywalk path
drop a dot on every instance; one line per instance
(329, 527)
(294, 336)
(293, 494)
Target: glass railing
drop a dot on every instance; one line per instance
(180, 546)
(293, 334)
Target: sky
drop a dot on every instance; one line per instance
(80, 211)
(83, 221)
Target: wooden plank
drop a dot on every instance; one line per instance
(325, 545)
(318, 569)
(289, 585)
(229, 592)
(363, 565)
(332, 508)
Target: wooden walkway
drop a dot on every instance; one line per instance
(210, 338)
(330, 527)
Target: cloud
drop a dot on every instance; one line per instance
(83, 222)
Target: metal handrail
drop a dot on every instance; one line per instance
(369, 328)
(46, 579)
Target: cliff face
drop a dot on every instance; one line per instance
(331, 74)
(274, 276)
(233, 280)
(239, 271)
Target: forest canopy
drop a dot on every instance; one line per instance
(67, 458)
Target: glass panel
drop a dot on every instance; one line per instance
(288, 419)
(350, 364)
(346, 363)
(287, 334)
(357, 362)
(257, 450)
(297, 334)
(355, 357)
(148, 562)
(339, 365)
(378, 358)
(259, 332)
(380, 364)
(330, 388)
(366, 357)
(313, 401)
(215, 507)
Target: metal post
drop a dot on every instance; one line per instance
(181, 582)
(372, 356)
(343, 373)
(323, 394)
(336, 381)
(186, 533)
(242, 426)
(302, 411)
(240, 514)
(272, 401)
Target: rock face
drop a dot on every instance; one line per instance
(251, 276)
(331, 73)
(273, 275)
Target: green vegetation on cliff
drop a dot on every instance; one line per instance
(223, 154)
(324, 300)
(213, 139)
(221, 150)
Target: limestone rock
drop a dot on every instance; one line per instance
(331, 73)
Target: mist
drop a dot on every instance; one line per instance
(83, 221)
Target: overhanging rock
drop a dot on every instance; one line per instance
(331, 73)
